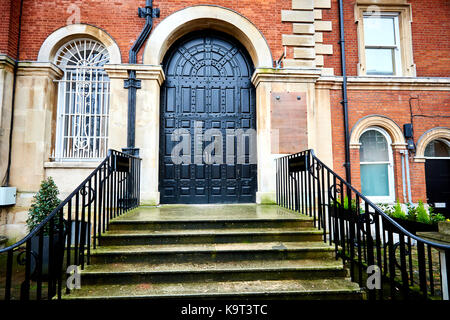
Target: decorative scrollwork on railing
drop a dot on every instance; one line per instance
(395, 248)
(22, 260)
(316, 166)
(335, 188)
(90, 192)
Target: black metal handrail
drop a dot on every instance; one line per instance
(66, 235)
(362, 234)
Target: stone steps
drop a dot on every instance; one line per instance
(270, 289)
(171, 253)
(196, 224)
(208, 252)
(125, 273)
(143, 237)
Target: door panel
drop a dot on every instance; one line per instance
(208, 85)
(437, 172)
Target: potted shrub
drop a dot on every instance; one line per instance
(45, 201)
(347, 209)
(417, 219)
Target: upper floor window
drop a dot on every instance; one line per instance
(382, 44)
(384, 39)
(83, 101)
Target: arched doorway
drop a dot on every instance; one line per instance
(208, 122)
(437, 175)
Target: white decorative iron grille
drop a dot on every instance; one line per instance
(83, 101)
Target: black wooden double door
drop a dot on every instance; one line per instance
(206, 100)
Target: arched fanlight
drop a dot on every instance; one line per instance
(82, 53)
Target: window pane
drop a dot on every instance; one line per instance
(380, 61)
(437, 148)
(379, 31)
(374, 147)
(375, 180)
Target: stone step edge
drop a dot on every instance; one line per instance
(122, 252)
(192, 234)
(291, 219)
(224, 270)
(356, 291)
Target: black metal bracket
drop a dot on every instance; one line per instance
(132, 83)
(148, 11)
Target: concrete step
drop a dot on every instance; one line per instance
(198, 217)
(198, 224)
(123, 273)
(234, 235)
(172, 253)
(270, 289)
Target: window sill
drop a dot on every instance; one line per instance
(72, 165)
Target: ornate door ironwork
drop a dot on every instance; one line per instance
(208, 87)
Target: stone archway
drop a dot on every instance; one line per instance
(202, 17)
(394, 131)
(57, 38)
(426, 138)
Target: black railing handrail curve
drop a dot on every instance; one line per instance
(379, 211)
(363, 235)
(64, 202)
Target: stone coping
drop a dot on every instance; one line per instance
(71, 165)
(385, 83)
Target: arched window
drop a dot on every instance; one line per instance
(439, 148)
(377, 176)
(83, 101)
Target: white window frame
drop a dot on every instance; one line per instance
(390, 163)
(98, 90)
(397, 60)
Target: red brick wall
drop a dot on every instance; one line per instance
(430, 36)
(119, 18)
(9, 26)
(395, 105)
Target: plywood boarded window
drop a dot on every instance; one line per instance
(288, 122)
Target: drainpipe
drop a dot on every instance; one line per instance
(344, 101)
(403, 176)
(405, 167)
(132, 83)
(13, 101)
(408, 179)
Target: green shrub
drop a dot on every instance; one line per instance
(398, 212)
(345, 205)
(412, 212)
(436, 217)
(45, 201)
(422, 214)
